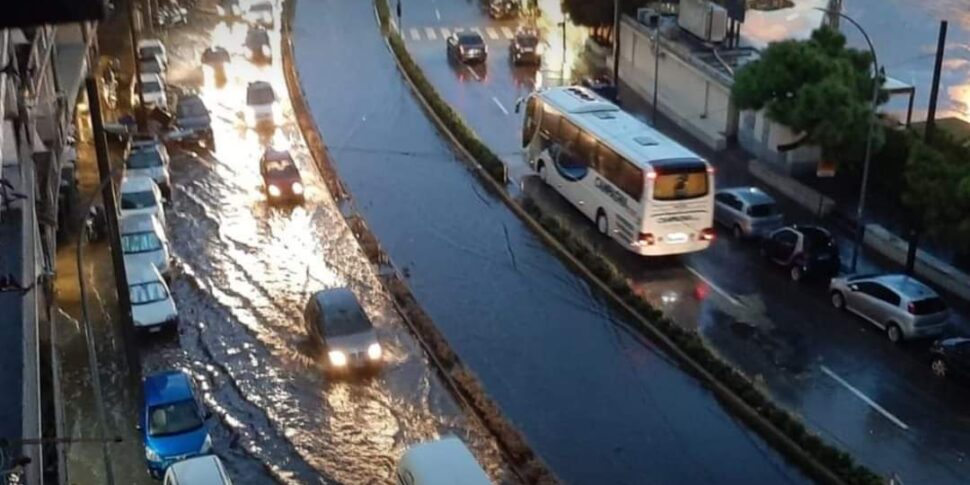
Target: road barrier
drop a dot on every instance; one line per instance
(464, 385)
(818, 459)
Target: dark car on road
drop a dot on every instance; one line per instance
(467, 47)
(526, 47)
(215, 56)
(257, 41)
(807, 251)
(951, 357)
(502, 9)
(337, 322)
(281, 178)
(193, 119)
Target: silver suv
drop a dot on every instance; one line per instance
(747, 211)
(896, 303)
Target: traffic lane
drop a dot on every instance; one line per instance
(247, 270)
(432, 13)
(512, 311)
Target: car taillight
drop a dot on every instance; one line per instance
(647, 238)
(707, 234)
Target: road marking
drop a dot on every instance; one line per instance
(508, 33)
(437, 14)
(415, 34)
(499, 104)
(714, 286)
(475, 74)
(430, 33)
(458, 30)
(492, 33)
(445, 33)
(865, 398)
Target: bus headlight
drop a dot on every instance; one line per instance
(297, 188)
(374, 351)
(337, 358)
(274, 191)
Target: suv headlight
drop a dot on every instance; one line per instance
(337, 358)
(206, 445)
(151, 455)
(374, 351)
(274, 191)
(297, 188)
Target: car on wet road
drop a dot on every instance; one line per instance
(152, 47)
(439, 462)
(526, 47)
(201, 470)
(216, 56)
(172, 421)
(335, 320)
(193, 119)
(152, 65)
(805, 250)
(257, 41)
(898, 304)
(260, 13)
(747, 212)
(140, 195)
(951, 357)
(152, 306)
(143, 241)
(150, 159)
(261, 104)
(502, 9)
(281, 177)
(152, 90)
(466, 47)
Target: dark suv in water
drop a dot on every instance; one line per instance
(467, 47)
(525, 47)
(807, 251)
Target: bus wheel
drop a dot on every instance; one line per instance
(602, 224)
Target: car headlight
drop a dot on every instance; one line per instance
(374, 351)
(151, 455)
(274, 191)
(206, 445)
(297, 188)
(337, 358)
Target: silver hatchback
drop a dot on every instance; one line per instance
(747, 212)
(896, 303)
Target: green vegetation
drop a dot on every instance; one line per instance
(937, 189)
(597, 15)
(811, 449)
(818, 87)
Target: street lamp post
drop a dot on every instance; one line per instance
(860, 210)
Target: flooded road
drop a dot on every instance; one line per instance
(597, 402)
(244, 273)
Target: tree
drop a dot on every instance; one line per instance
(937, 193)
(597, 15)
(818, 87)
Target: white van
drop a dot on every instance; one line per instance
(443, 462)
(201, 470)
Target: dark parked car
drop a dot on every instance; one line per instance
(526, 47)
(951, 357)
(281, 177)
(215, 56)
(335, 319)
(257, 41)
(502, 9)
(467, 47)
(807, 251)
(193, 119)
(601, 85)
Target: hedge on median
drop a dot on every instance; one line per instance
(838, 462)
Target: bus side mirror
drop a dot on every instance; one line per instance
(518, 105)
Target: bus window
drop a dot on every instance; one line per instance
(621, 173)
(586, 149)
(568, 134)
(531, 121)
(680, 185)
(550, 123)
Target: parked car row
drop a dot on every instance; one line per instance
(900, 305)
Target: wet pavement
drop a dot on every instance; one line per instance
(244, 273)
(818, 362)
(596, 401)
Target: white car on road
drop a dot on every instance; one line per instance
(152, 306)
(153, 90)
(153, 47)
(261, 103)
(143, 240)
(140, 195)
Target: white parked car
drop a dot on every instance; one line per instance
(140, 195)
(153, 47)
(152, 306)
(153, 90)
(150, 159)
(261, 13)
(445, 461)
(261, 103)
(143, 240)
(201, 470)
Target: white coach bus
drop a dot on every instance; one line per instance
(642, 189)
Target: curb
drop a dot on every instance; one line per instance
(523, 463)
(765, 428)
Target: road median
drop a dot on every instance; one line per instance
(785, 431)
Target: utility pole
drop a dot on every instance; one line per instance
(133, 37)
(656, 73)
(616, 43)
(917, 226)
